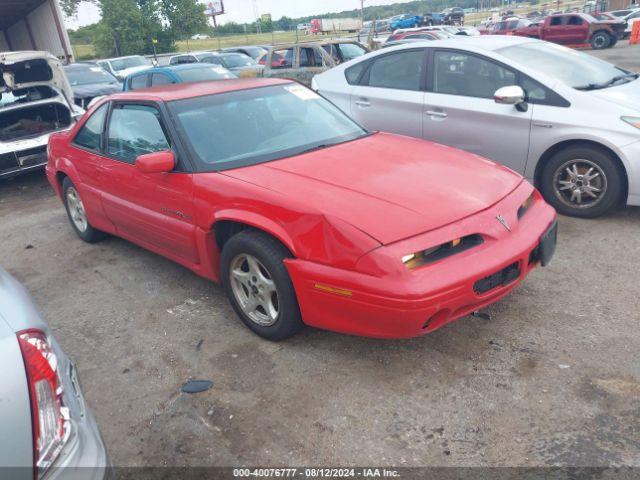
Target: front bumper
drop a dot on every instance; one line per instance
(408, 303)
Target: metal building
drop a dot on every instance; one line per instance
(34, 25)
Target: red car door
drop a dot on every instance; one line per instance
(577, 30)
(154, 210)
(555, 30)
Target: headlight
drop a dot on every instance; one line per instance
(633, 121)
(433, 254)
(526, 205)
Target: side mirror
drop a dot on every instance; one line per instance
(511, 95)
(157, 162)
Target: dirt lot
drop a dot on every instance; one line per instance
(552, 379)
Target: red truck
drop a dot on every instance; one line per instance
(575, 29)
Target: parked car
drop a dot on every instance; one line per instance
(405, 21)
(48, 430)
(453, 16)
(522, 102)
(412, 34)
(296, 60)
(90, 81)
(630, 16)
(186, 73)
(254, 51)
(576, 28)
(122, 67)
(375, 27)
(35, 100)
(200, 36)
(274, 192)
(432, 18)
(510, 25)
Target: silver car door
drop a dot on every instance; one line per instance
(390, 96)
(460, 110)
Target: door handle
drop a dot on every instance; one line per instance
(434, 113)
(363, 103)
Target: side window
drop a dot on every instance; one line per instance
(556, 21)
(282, 59)
(90, 134)
(213, 60)
(401, 70)
(574, 21)
(138, 82)
(135, 130)
(160, 79)
(457, 73)
(353, 73)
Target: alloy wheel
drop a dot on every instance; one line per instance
(76, 210)
(580, 183)
(254, 289)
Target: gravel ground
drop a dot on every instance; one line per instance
(552, 379)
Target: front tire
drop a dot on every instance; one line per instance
(258, 285)
(582, 181)
(600, 40)
(77, 214)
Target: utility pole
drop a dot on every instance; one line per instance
(255, 14)
(362, 11)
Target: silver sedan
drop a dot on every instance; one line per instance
(47, 428)
(567, 121)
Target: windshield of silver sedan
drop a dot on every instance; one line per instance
(247, 127)
(573, 68)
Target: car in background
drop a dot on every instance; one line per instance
(432, 18)
(375, 28)
(48, 431)
(89, 81)
(237, 63)
(277, 194)
(468, 31)
(344, 50)
(521, 102)
(301, 61)
(453, 16)
(303, 27)
(122, 67)
(200, 36)
(35, 101)
(412, 34)
(630, 16)
(254, 51)
(185, 73)
(509, 25)
(404, 21)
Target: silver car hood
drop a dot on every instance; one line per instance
(17, 308)
(626, 95)
(32, 69)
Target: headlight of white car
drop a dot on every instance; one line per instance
(633, 121)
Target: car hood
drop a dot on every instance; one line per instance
(96, 89)
(626, 95)
(388, 186)
(31, 69)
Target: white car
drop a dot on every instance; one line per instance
(200, 36)
(564, 119)
(36, 100)
(630, 15)
(122, 67)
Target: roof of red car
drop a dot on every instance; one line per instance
(167, 93)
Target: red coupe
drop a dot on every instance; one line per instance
(302, 215)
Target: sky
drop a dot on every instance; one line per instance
(242, 10)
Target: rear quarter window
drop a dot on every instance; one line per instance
(354, 73)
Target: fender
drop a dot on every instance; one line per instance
(255, 220)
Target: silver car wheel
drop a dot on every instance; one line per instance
(76, 210)
(580, 183)
(254, 289)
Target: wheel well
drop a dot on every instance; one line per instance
(225, 229)
(60, 176)
(580, 143)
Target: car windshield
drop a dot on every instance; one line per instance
(89, 75)
(129, 62)
(259, 125)
(234, 60)
(255, 52)
(351, 51)
(205, 74)
(573, 68)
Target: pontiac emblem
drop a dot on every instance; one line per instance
(503, 222)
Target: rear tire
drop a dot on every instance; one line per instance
(77, 214)
(258, 285)
(582, 181)
(600, 40)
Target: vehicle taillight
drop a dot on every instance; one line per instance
(49, 418)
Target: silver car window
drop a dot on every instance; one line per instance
(401, 70)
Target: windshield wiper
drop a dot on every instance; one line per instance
(608, 83)
(317, 147)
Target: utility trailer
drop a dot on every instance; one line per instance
(34, 25)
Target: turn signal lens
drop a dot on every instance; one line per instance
(439, 252)
(633, 121)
